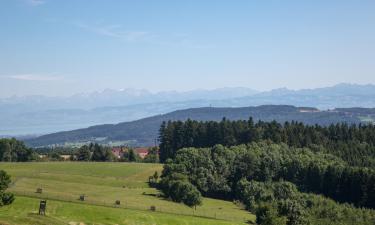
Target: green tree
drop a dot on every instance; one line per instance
(152, 156)
(184, 191)
(5, 197)
(98, 153)
(84, 153)
(294, 212)
(266, 214)
(132, 156)
(54, 156)
(192, 196)
(108, 155)
(12, 150)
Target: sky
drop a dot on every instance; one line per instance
(59, 48)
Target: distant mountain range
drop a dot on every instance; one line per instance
(144, 132)
(119, 98)
(41, 115)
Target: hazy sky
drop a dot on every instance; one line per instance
(61, 47)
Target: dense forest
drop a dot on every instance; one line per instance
(284, 173)
(353, 143)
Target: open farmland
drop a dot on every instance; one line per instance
(103, 184)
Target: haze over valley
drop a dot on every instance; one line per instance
(36, 115)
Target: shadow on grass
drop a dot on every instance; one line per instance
(158, 195)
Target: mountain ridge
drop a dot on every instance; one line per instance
(143, 132)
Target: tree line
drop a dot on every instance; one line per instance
(100, 153)
(13, 150)
(272, 181)
(353, 143)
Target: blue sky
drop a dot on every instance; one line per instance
(54, 47)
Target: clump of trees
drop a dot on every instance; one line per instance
(176, 186)
(61, 150)
(274, 202)
(152, 156)
(12, 150)
(84, 153)
(6, 198)
(100, 153)
(130, 156)
(94, 152)
(281, 203)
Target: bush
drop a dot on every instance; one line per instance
(6, 198)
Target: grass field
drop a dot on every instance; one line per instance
(103, 184)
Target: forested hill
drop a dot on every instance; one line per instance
(143, 132)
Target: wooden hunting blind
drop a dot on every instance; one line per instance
(42, 207)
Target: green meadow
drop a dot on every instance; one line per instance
(103, 184)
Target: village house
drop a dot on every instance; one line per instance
(142, 152)
(66, 157)
(118, 152)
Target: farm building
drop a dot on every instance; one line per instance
(118, 152)
(66, 157)
(63, 157)
(142, 152)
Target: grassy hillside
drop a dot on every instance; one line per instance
(24, 211)
(103, 184)
(144, 131)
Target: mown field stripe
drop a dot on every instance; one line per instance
(128, 208)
